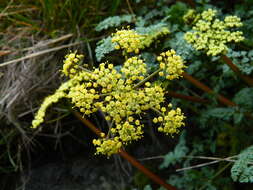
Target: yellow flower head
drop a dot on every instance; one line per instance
(212, 35)
(171, 120)
(172, 65)
(70, 66)
(48, 101)
(128, 40)
(134, 68)
(191, 17)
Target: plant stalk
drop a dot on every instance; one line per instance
(205, 88)
(147, 78)
(171, 93)
(236, 70)
(186, 97)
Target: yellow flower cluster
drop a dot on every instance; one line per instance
(70, 64)
(134, 69)
(123, 133)
(127, 101)
(232, 21)
(150, 38)
(128, 40)
(191, 17)
(211, 34)
(171, 65)
(129, 130)
(119, 95)
(208, 15)
(90, 86)
(170, 119)
(107, 146)
(48, 101)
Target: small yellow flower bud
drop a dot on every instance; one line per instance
(159, 58)
(160, 118)
(155, 120)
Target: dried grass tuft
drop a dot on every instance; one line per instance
(25, 81)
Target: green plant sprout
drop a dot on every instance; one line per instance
(124, 96)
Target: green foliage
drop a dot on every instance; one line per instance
(243, 60)
(176, 12)
(220, 113)
(242, 170)
(151, 30)
(244, 98)
(114, 21)
(147, 187)
(194, 179)
(104, 47)
(179, 44)
(177, 154)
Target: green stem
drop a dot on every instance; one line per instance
(147, 78)
(157, 111)
(217, 174)
(86, 70)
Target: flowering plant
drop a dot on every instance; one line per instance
(123, 96)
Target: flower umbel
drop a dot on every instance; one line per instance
(212, 35)
(170, 119)
(128, 40)
(118, 96)
(70, 64)
(172, 65)
(132, 42)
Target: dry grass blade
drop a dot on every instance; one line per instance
(40, 53)
(47, 43)
(216, 160)
(17, 12)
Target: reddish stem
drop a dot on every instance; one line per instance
(128, 157)
(146, 171)
(205, 88)
(237, 71)
(185, 97)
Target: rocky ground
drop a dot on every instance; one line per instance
(75, 174)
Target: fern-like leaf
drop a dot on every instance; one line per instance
(152, 32)
(242, 171)
(178, 43)
(179, 152)
(243, 60)
(151, 29)
(244, 98)
(114, 21)
(104, 47)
